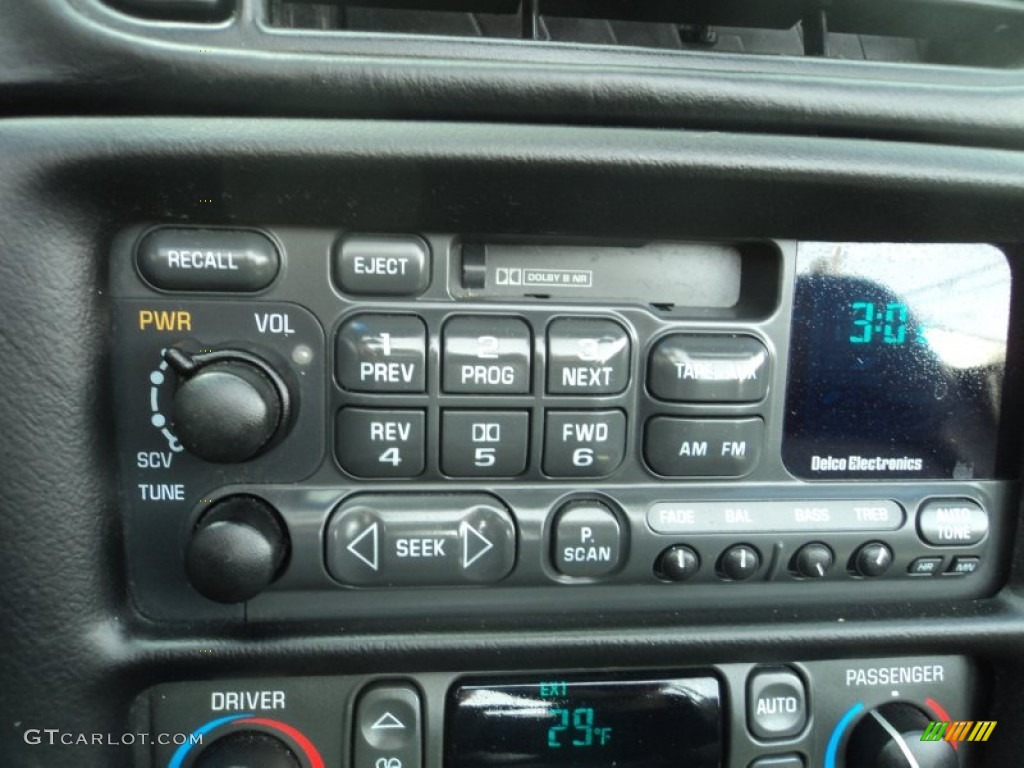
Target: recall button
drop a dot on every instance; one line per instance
(952, 522)
(207, 260)
(776, 704)
(382, 266)
(706, 368)
(392, 540)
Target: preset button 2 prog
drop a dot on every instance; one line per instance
(419, 540)
(487, 356)
(208, 260)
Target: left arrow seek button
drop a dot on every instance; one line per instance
(415, 540)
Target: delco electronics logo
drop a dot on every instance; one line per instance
(958, 730)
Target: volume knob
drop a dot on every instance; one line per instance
(229, 406)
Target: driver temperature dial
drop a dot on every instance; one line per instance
(230, 406)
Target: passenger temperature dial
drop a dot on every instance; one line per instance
(890, 737)
(230, 406)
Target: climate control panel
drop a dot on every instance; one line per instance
(877, 713)
(308, 419)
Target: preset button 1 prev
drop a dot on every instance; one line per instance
(394, 540)
(379, 442)
(382, 353)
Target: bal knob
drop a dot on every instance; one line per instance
(890, 737)
(229, 406)
(237, 549)
(247, 749)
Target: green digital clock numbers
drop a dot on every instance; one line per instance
(871, 323)
(576, 727)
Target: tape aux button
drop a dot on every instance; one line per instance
(207, 260)
(708, 368)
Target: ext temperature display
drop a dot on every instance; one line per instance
(585, 723)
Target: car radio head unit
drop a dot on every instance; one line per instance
(315, 423)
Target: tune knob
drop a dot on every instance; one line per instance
(247, 749)
(237, 549)
(890, 737)
(229, 405)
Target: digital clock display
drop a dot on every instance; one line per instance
(567, 723)
(897, 359)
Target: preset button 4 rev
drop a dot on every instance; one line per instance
(377, 442)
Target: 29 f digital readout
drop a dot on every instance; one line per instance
(585, 723)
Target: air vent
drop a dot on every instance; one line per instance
(966, 32)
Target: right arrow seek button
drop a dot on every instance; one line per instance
(415, 540)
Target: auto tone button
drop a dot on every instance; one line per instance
(952, 522)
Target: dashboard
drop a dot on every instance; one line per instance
(378, 397)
